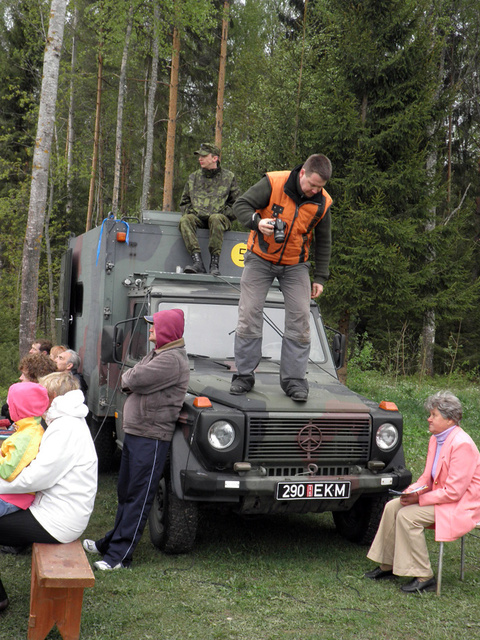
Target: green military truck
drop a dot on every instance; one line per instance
(260, 453)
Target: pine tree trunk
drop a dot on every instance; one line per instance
(40, 166)
(299, 89)
(221, 76)
(48, 251)
(71, 111)
(152, 89)
(122, 90)
(172, 124)
(96, 140)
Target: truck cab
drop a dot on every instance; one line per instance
(260, 453)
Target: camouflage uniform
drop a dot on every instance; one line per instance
(206, 203)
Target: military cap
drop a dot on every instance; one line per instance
(206, 148)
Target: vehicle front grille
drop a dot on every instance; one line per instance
(329, 440)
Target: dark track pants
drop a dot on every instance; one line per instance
(141, 468)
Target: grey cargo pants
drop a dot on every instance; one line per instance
(258, 275)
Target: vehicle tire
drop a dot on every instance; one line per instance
(103, 434)
(360, 523)
(172, 522)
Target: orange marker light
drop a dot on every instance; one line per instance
(121, 236)
(202, 402)
(388, 406)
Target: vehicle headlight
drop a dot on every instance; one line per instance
(387, 437)
(221, 434)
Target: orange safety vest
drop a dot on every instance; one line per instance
(300, 220)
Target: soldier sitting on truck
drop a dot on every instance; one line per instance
(69, 360)
(206, 203)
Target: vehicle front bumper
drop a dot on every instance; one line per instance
(253, 488)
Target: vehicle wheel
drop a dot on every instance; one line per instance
(172, 522)
(360, 523)
(103, 434)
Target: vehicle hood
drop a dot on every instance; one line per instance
(327, 394)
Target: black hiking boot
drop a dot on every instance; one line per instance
(241, 384)
(214, 268)
(197, 265)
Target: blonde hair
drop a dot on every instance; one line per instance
(59, 383)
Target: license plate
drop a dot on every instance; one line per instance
(335, 490)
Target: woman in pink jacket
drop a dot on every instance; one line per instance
(447, 495)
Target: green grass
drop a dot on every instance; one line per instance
(289, 578)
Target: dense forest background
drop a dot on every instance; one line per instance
(388, 89)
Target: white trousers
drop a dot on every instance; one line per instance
(400, 540)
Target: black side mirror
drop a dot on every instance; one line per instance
(338, 350)
(112, 345)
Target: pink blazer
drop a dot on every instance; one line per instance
(455, 490)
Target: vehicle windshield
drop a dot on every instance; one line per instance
(210, 330)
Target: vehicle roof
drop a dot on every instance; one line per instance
(223, 288)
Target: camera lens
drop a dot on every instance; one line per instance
(279, 231)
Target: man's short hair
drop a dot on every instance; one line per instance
(320, 164)
(73, 359)
(44, 346)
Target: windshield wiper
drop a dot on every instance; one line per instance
(199, 356)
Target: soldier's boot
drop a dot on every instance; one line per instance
(197, 265)
(214, 268)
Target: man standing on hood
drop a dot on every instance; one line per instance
(156, 386)
(286, 211)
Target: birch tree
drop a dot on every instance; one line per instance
(40, 168)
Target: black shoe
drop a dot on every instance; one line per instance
(378, 574)
(415, 586)
(296, 389)
(297, 392)
(214, 268)
(299, 395)
(241, 384)
(14, 551)
(3, 598)
(197, 266)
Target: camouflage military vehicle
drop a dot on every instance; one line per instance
(260, 453)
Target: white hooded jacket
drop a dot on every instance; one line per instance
(64, 473)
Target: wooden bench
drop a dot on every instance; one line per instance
(60, 573)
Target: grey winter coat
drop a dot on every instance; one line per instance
(157, 386)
